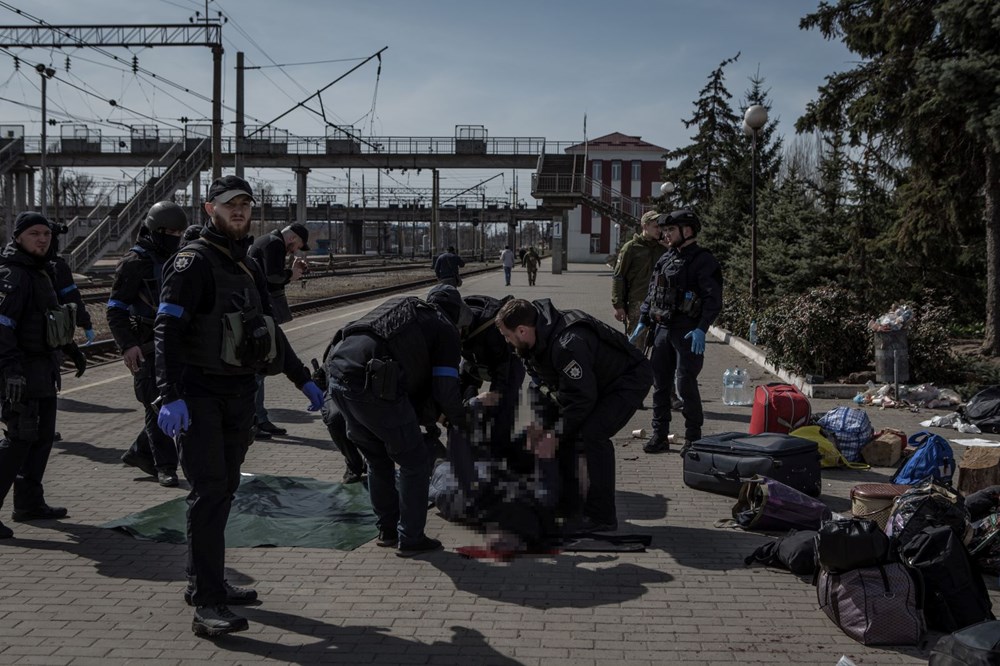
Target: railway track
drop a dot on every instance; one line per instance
(101, 352)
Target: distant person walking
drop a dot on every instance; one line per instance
(530, 261)
(507, 260)
(446, 267)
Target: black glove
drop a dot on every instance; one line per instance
(319, 375)
(75, 355)
(645, 320)
(13, 387)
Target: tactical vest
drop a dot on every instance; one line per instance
(395, 324)
(203, 341)
(42, 313)
(149, 298)
(671, 288)
(484, 309)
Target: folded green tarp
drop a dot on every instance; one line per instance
(271, 511)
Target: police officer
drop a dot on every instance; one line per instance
(33, 327)
(684, 298)
(213, 334)
(269, 251)
(135, 296)
(592, 380)
(488, 358)
(446, 267)
(393, 371)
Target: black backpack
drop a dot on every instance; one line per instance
(983, 409)
(955, 593)
(796, 551)
(978, 645)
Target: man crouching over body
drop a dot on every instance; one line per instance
(591, 381)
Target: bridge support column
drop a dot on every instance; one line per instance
(30, 191)
(8, 203)
(300, 194)
(20, 191)
(559, 231)
(196, 215)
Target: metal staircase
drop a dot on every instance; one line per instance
(117, 229)
(560, 181)
(11, 154)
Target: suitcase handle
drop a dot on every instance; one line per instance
(729, 476)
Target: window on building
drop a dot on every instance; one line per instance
(616, 170)
(595, 243)
(616, 203)
(636, 171)
(598, 169)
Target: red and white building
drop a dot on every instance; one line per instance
(626, 164)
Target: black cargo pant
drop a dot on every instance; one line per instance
(212, 450)
(24, 450)
(151, 442)
(672, 360)
(617, 404)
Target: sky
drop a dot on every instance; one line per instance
(521, 68)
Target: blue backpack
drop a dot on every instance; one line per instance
(933, 458)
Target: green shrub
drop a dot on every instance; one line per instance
(929, 342)
(822, 332)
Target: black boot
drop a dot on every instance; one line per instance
(217, 620)
(657, 444)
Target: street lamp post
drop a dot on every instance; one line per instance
(46, 74)
(753, 121)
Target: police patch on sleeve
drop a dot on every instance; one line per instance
(573, 370)
(182, 260)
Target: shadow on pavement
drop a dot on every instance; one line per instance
(70, 405)
(93, 453)
(333, 644)
(559, 581)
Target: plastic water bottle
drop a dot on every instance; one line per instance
(752, 336)
(740, 389)
(727, 387)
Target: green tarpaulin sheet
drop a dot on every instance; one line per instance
(271, 511)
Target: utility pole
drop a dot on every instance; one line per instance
(238, 153)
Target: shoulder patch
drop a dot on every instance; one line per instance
(573, 370)
(183, 259)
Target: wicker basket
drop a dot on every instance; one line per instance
(873, 501)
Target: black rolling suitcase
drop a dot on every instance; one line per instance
(720, 463)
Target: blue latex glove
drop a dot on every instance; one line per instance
(173, 418)
(91, 336)
(697, 337)
(638, 329)
(315, 395)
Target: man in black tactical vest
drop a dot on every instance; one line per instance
(33, 328)
(135, 297)
(589, 381)
(213, 334)
(684, 298)
(393, 371)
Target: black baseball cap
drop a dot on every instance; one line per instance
(225, 188)
(301, 231)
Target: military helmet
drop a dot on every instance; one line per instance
(682, 218)
(166, 215)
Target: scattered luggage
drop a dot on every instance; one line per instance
(933, 458)
(984, 548)
(796, 552)
(845, 544)
(769, 505)
(873, 501)
(983, 409)
(720, 463)
(928, 505)
(850, 429)
(978, 645)
(885, 449)
(955, 595)
(830, 455)
(778, 408)
(877, 605)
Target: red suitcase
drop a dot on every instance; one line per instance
(778, 408)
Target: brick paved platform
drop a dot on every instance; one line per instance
(72, 593)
